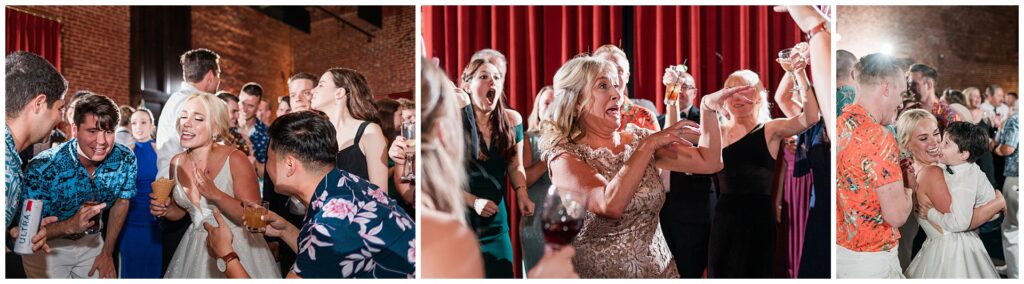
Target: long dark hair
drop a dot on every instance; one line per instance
(501, 128)
(360, 99)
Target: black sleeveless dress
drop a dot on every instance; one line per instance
(742, 243)
(352, 159)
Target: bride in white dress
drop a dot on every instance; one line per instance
(953, 248)
(203, 120)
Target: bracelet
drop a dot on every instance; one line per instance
(823, 26)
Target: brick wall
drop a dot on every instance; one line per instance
(95, 47)
(388, 61)
(969, 46)
(252, 47)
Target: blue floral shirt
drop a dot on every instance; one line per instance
(1009, 138)
(58, 177)
(13, 177)
(260, 141)
(352, 229)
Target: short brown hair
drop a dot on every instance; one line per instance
(302, 76)
(197, 62)
(105, 110)
(253, 89)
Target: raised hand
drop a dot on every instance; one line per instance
(716, 100)
(806, 17)
(398, 150)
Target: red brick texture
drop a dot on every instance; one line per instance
(95, 47)
(253, 47)
(969, 46)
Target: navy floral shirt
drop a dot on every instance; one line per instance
(13, 177)
(58, 177)
(1009, 137)
(352, 229)
(260, 141)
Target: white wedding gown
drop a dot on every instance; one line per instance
(192, 258)
(952, 249)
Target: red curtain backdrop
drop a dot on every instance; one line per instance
(715, 41)
(537, 40)
(27, 32)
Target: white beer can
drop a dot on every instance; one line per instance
(31, 214)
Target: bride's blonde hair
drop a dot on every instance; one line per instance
(443, 147)
(217, 118)
(572, 86)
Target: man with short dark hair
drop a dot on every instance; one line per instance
(78, 180)
(300, 90)
(251, 126)
(923, 83)
(352, 227)
(34, 94)
(871, 200)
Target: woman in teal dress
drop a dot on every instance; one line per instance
(537, 177)
(494, 135)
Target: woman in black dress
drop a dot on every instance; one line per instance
(743, 230)
(345, 97)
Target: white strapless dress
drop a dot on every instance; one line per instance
(952, 250)
(192, 258)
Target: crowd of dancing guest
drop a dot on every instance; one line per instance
(945, 165)
(585, 135)
(129, 195)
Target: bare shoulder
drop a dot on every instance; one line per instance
(445, 238)
(373, 128)
(513, 116)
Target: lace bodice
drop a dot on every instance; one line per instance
(633, 245)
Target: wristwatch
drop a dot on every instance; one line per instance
(222, 263)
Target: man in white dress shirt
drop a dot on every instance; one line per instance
(994, 105)
(201, 70)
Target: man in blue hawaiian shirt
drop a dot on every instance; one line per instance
(352, 229)
(35, 99)
(89, 168)
(248, 100)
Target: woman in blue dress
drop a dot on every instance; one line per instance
(141, 242)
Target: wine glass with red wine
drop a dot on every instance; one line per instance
(562, 215)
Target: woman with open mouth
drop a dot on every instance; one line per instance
(495, 154)
(620, 236)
